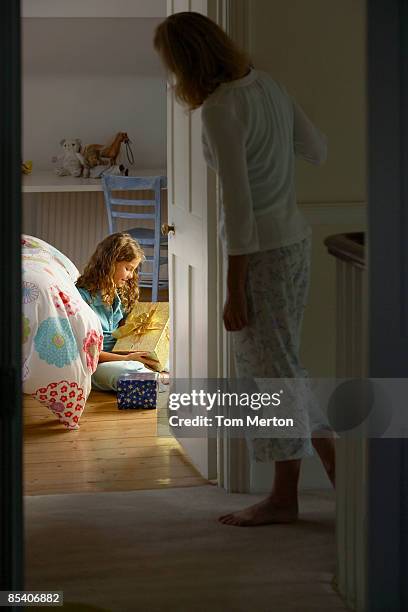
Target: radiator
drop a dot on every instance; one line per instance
(351, 451)
(74, 222)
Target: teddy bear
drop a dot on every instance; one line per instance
(69, 162)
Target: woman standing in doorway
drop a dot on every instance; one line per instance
(252, 130)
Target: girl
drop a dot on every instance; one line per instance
(252, 130)
(109, 285)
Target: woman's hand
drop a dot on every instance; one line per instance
(236, 311)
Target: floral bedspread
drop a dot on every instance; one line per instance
(62, 336)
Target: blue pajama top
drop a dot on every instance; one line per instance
(109, 316)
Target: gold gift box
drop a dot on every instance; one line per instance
(146, 330)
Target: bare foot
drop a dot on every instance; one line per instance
(263, 513)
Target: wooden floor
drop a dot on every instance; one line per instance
(114, 450)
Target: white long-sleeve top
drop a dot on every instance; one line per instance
(252, 130)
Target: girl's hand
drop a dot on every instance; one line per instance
(236, 311)
(164, 378)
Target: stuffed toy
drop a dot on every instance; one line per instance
(69, 162)
(96, 167)
(27, 167)
(112, 150)
(100, 171)
(91, 158)
(86, 162)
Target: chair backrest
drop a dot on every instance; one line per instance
(131, 183)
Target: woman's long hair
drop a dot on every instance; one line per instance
(199, 54)
(99, 272)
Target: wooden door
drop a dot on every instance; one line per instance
(192, 252)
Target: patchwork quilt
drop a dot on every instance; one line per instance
(62, 336)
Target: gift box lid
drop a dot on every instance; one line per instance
(146, 330)
(138, 376)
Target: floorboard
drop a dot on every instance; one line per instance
(114, 450)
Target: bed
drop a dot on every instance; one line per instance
(62, 336)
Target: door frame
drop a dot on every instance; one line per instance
(11, 490)
(387, 533)
(235, 14)
(233, 464)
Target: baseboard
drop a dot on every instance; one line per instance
(312, 476)
(335, 213)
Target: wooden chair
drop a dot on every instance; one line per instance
(146, 237)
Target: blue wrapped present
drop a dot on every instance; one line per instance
(137, 391)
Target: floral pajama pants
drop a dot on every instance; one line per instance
(268, 348)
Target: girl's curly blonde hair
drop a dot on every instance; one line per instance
(99, 272)
(199, 54)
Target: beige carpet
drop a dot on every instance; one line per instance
(163, 550)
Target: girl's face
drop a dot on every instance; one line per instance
(124, 271)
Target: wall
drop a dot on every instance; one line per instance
(90, 78)
(317, 50)
(93, 8)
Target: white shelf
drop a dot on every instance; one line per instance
(47, 182)
(94, 8)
